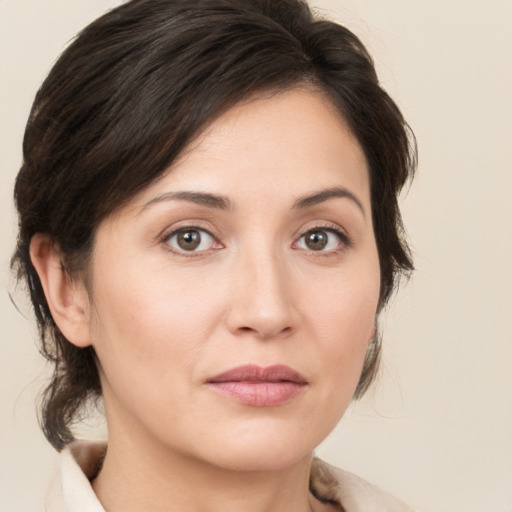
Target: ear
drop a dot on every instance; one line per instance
(373, 334)
(374, 331)
(67, 298)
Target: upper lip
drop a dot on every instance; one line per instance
(255, 373)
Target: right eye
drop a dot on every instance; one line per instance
(191, 239)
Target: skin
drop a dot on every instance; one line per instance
(163, 320)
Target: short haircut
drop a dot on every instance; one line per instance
(128, 95)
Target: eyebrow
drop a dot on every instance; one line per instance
(200, 198)
(223, 203)
(324, 195)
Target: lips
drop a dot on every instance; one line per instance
(257, 386)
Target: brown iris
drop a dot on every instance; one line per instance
(316, 240)
(189, 240)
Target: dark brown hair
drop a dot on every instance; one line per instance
(127, 96)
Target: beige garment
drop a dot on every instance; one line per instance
(71, 491)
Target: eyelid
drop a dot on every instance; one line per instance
(345, 240)
(169, 233)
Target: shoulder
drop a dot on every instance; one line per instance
(352, 492)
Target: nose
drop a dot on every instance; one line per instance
(263, 300)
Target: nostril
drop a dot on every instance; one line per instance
(265, 333)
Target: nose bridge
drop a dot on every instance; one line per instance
(262, 302)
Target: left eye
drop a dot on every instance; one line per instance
(191, 240)
(319, 240)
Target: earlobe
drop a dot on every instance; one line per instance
(372, 340)
(374, 332)
(66, 297)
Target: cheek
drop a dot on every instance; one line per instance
(343, 317)
(154, 321)
(148, 337)
(342, 321)
(344, 335)
(346, 306)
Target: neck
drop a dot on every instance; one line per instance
(141, 477)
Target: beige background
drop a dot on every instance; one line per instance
(437, 429)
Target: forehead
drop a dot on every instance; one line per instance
(279, 145)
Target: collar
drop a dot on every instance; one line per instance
(71, 490)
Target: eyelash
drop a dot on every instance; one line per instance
(345, 241)
(187, 254)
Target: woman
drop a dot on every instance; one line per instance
(209, 228)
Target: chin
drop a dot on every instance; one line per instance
(262, 459)
(267, 448)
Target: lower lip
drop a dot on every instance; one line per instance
(259, 394)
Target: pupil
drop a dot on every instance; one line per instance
(189, 240)
(316, 240)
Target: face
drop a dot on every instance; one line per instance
(231, 302)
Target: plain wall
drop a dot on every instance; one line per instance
(436, 430)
